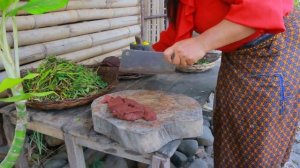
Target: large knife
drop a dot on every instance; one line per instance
(144, 62)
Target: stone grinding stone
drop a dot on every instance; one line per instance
(178, 116)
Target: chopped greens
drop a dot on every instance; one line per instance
(68, 80)
(202, 61)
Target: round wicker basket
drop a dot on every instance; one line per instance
(196, 67)
(108, 74)
(211, 58)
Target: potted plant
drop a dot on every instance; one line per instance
(9, 10)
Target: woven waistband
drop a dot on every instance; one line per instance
(258, 40)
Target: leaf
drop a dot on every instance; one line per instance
(30, 76)
(4, 4)
(40, 6)
(9, 83)
(24, 96)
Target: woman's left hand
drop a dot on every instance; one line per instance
(185, 52)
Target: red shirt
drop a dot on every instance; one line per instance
(266, 16)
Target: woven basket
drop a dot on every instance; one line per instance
(196, 68)
(108, 74)
(211, 57)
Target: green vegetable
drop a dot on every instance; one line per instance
(203, 61)
(68, 80)
(297, 3)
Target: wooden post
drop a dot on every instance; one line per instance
(75, 152)
(2, 141)
(9, 131)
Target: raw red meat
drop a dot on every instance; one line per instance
(106, 99)
(149, 115)
(128, 109)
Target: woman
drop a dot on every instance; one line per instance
(256, 110)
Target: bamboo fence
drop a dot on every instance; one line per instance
(84, 32)
(154, 13)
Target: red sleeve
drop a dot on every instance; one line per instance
(184, 26)
(167, 38)
(264, 15)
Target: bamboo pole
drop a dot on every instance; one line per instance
(39, 51)
(148, 22)
(72, 16)
(97, 50)
(94, 60)
(31, 65)
(100, 4)
(93, 4)
(42, 35)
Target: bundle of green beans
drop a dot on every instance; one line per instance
(68, 80)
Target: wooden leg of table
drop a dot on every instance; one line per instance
(2, 137)
(9, 130)
(75, 152)
(159, 161)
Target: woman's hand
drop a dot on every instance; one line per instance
(186, 52)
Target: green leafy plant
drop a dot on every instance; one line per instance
(97, 164)
(68, 80)
(297, 3)
(8, 10)
(37, 141)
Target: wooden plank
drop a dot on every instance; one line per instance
(160, 162)
(2, 136)
(82, 128)
(114, 148)
(7, 109)
(42, 128)
(56, 118)
(9, 134)
(46, 122)
(2, 104)
(81, 124)
(46, 129)
(75, 152)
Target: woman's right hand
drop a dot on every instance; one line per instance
(185, 52)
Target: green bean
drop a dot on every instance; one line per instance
(68, 80)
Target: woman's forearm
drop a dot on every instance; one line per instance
(224, 33)
(189, 51)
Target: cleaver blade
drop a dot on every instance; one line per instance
(144, 62)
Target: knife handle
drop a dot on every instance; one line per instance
(138, 40)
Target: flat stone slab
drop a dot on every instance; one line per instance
(178, 116)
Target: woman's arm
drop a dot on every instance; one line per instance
(189, 51)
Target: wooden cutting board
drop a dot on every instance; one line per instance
(178, 116)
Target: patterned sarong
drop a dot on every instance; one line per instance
(257, 102)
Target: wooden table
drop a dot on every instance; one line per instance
(75, 125)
